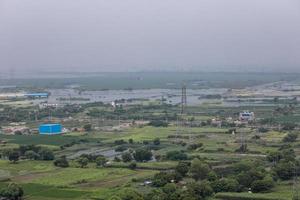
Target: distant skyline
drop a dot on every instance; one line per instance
(144, 35)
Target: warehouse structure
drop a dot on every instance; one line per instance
(50, 129)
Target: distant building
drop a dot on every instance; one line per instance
(247, 116)
(50, 129)
(37, 95)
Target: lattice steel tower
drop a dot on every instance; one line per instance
(183, 99)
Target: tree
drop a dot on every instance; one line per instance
(87, 127)
(13, 156)
(130, 141)
(126, 157)
(182, 168)
(199, 170)
(141, 155)
(12, 192)
(82, 161)
(101, 161)
(156, 141)
(61, 162)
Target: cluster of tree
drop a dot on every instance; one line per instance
(84, 159)
(31, 152)
(139, 155)
(11, 192)
(284, 163)
(245, 175)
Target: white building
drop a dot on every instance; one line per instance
(246, 116)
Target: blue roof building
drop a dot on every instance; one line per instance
(50, 129)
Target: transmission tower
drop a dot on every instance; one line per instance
(183, 99)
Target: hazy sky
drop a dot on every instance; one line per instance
(122, 35)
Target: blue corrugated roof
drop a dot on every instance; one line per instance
(37, 94)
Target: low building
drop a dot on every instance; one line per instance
(50, 129)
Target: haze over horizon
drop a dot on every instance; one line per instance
(142, 35)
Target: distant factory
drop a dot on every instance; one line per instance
(37, 95)
(19, 95)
